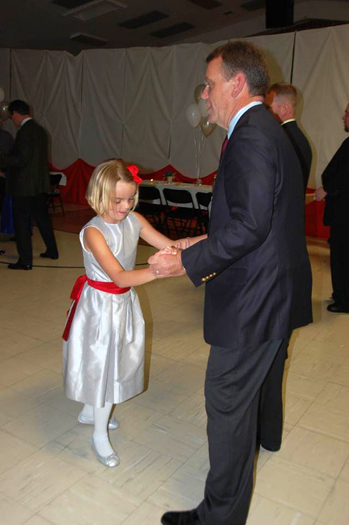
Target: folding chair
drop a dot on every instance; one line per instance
(149, 209)
(181, 217)
(203, 200)
(54, 193)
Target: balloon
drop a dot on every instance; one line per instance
(4, 114)
(207, 127)
(202, 107)
(197, 92)
(193, 115)
(2, 94)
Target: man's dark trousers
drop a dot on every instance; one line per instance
(233, 390)
(339, 253)
(23, 209)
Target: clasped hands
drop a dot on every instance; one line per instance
(168, 261)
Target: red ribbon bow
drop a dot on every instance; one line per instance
(134, 172)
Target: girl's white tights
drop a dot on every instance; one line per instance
(100, 434)
(88, 412)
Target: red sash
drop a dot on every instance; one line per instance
(76, 292)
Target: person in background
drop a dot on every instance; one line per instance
(281, 99)
(6, 143)
(255, 266)
(28, 182)
(335, 191)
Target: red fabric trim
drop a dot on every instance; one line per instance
(79, 173)
(76, 292)
(314, 226)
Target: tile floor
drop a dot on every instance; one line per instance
(48, 472)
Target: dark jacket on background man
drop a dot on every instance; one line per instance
(301, 146)
(28, 162)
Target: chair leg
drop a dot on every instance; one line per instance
(61, 203)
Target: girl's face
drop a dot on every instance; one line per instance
(121, 203)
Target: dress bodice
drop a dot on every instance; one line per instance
(121, 238)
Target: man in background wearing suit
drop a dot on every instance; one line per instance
(256, 269)
(27, 183)
(335, 190)
(281, 99)
(6, 143)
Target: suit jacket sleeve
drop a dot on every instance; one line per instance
(249, 178)
(21, 153)
(335, 178)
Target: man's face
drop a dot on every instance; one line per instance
(346, 118)
(274, 105)
(217, 93)
(16, 118)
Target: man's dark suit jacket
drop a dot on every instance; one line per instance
(6, 141)
(335, 180)
(301, 146)
(254, 262)
(27, 164)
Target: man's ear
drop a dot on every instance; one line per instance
(285, 108)
(238, 82)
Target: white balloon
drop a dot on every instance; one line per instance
(2, 94)
(4, 114)
(193, 115)
(202, 107)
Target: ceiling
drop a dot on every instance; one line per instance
(50, 24)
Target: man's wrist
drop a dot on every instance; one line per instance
(179, 258)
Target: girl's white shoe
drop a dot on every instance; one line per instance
(112, 425)
(109, 461)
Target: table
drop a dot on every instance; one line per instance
(192, 188)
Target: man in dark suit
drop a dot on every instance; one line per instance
(335, 190)
(256, 269)
(281, 99)
(6, 143)
(27, 183)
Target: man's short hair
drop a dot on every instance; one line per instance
(245, 57)
(285, 90)
(19, 106)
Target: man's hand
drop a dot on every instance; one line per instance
(166, 264)
(320, 194)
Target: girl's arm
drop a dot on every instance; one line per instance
(189, 241)
(160, 241)
(151, 235)
(95, 242)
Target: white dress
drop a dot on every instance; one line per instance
(103, 359)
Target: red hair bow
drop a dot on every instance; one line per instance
(134, 170)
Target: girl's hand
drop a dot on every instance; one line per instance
(183, 244)
(169, 250)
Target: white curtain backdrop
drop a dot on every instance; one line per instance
(322, 75)
(131, 103)
(5, 78)
(102, 108)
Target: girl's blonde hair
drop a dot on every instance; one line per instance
(101, 188)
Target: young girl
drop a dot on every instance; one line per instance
(103, 355)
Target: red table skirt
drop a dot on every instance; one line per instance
(78, 175)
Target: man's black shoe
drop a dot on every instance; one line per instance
(19, 266)
(187, 517)
(47, 255)
(337, 309)
(271, 448)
